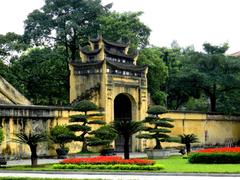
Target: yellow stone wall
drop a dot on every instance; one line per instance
(221, 129)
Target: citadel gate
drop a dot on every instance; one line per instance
(111, 78)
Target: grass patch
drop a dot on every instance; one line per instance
(171, 164)
(178, 164)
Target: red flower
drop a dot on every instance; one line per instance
(220, 150)
(107, 160)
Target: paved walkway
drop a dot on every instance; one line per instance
(119, 176)
(54, 160)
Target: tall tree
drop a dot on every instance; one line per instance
(157, 73)
(41, 76)
(67, 22)
(10, 45)
(125, 27)
(212, 72)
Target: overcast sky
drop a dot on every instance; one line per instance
(189, 22)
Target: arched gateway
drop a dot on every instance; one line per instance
(111, 78)
(122, 112)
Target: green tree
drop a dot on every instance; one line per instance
(157, 72)
(61, 135)
(127, 129)
(103, 136)
(125, 27)
(83, 121)
(157, 128)
(187, 139)
(41, 75)
(10, 45)
(66, 22)
(32, 139)
(212, 73)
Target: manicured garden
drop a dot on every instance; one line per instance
(173, 164)
(108, 163)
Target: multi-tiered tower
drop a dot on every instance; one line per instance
(110, 77)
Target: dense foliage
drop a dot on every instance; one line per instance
(61, 135)
(41, 76)
(215, 158)
(178, 78)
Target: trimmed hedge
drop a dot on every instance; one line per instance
(109, 166)
(215, 158)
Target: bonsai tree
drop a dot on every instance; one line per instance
(32, 140)
(187, 139)
(156, 127)
(61, 135)
(127, 129)
(104, 136)
(83, 121)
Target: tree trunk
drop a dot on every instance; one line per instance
(158, 144)
(126, 147)
(213, 99)
(34, 156)
(188, 147)
(84, 146)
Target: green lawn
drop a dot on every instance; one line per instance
(172, 164)
(178, 164)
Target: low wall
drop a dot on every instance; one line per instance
(210, 128)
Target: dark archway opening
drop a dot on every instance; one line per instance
(122, 111)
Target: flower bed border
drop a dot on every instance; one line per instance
(109, 167)
(107, 160)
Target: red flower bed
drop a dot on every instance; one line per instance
(107, 160)
(220, 150)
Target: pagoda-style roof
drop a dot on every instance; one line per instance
(118, 54)
(87, 64)
(116, 44)
(90, 52)
(129, 67)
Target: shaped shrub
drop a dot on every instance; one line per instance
(215, 158)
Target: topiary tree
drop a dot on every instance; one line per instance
(127, 129)
(32, 140)
(187, 139)
(103, 136)
(83, 121)
(61, 135)
(156, 127)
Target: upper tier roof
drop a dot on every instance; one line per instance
(116, 44)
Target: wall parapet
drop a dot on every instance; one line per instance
(32, 111)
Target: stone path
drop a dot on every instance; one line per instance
(51, 161)
(119, 176)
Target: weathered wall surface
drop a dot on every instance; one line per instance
(9, 95)
(210, 129)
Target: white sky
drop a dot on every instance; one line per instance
(189, 22)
